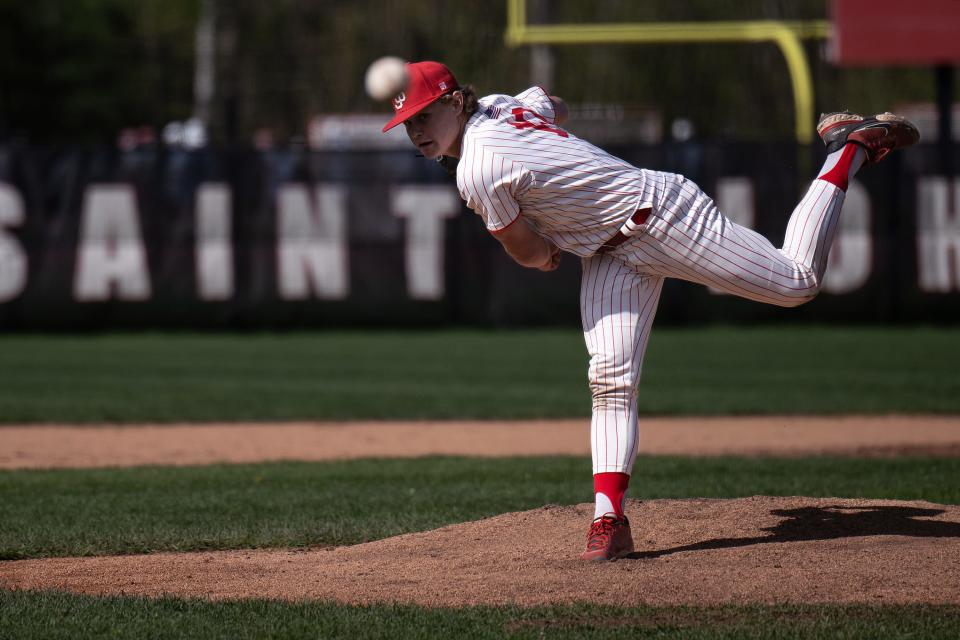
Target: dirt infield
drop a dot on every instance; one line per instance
(98, 446)
(751, 550)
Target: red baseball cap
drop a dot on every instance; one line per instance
(428, 81)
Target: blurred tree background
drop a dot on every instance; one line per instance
(78, 71)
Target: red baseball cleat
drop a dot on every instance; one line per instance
(878, 135)
(609, 538)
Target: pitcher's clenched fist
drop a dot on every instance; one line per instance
(554, 261)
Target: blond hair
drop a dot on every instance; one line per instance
(470, 99)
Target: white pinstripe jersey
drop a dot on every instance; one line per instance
(514, 160)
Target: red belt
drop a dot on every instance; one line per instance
(637, 218)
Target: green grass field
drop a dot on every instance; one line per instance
(469, 374)
(156, 378)
(77, 512)
(54, 616)
(140, 510)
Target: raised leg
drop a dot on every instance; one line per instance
(690, 239)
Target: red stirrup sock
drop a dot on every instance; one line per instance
(842, 165)
(610, 489)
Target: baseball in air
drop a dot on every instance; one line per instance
(386, 77)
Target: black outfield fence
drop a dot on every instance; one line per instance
(160, 238)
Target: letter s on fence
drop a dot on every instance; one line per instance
(13, 259)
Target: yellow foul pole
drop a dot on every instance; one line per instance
(785, 34)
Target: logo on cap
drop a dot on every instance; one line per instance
(427, 82)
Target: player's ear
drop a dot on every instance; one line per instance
(458, 101)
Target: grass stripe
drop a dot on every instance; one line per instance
(138, 510)
(469, 374)
(52, 615)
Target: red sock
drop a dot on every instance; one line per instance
(612, 486)
(841, 165)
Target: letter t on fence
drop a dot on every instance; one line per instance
(425, 210)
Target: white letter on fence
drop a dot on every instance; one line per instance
(938, 235)
(735, 201)
(110, 255)
(312, 242)
(425, 209)
(851, 258)
(13, 259)
(214, 244)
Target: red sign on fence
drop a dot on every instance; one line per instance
(893, 32)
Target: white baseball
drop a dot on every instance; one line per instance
(386, 77)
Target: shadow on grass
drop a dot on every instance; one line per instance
(827, 523)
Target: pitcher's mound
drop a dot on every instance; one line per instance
(758, 549)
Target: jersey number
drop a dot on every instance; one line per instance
(527, 119)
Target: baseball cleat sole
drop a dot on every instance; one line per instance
(878, 135)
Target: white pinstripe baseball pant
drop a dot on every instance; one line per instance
(685, 237)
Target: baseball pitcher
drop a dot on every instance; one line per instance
(542, 191)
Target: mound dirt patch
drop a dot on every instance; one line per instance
(751, 550)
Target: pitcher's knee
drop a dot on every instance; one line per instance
(801, 291)
(610, 394)
(797, 298)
